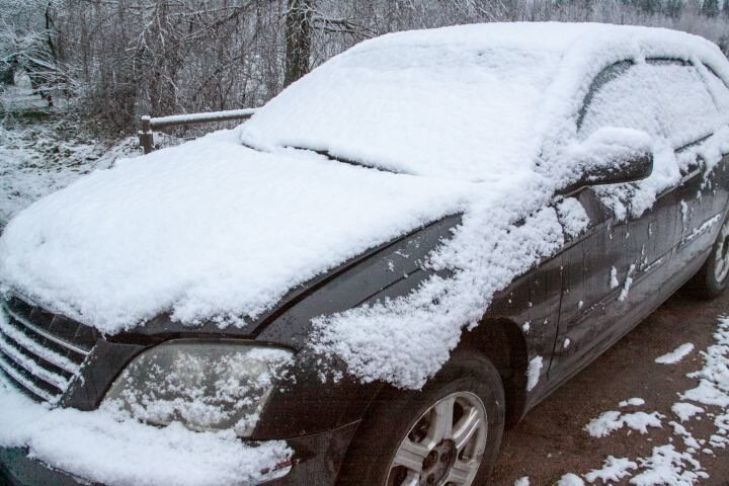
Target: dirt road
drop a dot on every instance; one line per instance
(551, 441)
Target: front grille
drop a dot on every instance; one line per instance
(41, 352)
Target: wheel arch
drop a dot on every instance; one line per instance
(503, 343)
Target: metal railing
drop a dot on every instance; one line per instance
(146, 134)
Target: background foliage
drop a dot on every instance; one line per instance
(112, 60)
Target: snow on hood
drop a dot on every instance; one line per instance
(209, 229)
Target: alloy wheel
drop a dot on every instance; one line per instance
(445, 446)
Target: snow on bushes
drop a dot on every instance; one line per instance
(37, 160)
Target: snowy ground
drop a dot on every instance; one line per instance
(647, 418)
(39, 158)
(40, 154)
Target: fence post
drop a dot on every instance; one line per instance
(146, 137)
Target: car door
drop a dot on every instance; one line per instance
(587, 263)
(700, 206)
(690, 124)
(603, 266)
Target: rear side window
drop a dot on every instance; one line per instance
(623, 96)
(688, 110)
(719, 89)
(663, 98)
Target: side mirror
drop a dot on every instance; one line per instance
(610, 156)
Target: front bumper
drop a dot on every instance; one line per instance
(317, 459)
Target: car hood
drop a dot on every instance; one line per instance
(208, 230)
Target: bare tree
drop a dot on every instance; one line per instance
(298, 39)
(117, 59)
(710, 8)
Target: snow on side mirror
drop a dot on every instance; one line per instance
(611, 156)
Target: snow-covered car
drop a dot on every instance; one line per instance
(396, 257)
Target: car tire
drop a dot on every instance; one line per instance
(468, 382)
(713, 277)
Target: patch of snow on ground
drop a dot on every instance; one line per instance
(570, 479)
(609, 422)
(684, 410)
(614, 469)
(707, 393)
(632, 402)
(689, 441)
(522, 481)
(676, 355)
(665, 466)
(668, 464)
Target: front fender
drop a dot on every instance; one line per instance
(306, 404)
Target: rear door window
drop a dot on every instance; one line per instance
(688, 111)
(719, 90)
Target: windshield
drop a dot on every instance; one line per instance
(442, 109)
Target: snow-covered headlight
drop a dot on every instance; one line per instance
(204, 385)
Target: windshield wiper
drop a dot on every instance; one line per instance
(325, 153)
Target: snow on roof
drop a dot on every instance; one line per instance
(472, 101)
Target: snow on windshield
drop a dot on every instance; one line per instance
(453, 109)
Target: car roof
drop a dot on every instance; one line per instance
(474, 102)
(561, 37)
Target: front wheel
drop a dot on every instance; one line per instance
(713, 277)
(447, 434)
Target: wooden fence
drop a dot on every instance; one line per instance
(149, 124)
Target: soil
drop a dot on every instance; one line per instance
(551, 440)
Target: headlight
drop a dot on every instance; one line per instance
(204, 385)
